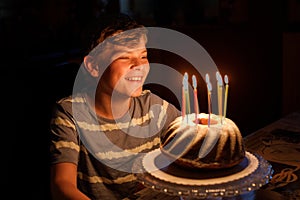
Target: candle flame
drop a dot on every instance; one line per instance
(194, 81)
(226, 79)
(207, 78)
(219, 79)
(186, 76)
(209, 87)
(217, 74)
(185, 81)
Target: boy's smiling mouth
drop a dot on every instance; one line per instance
(134, 78)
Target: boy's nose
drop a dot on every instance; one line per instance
(137, 64)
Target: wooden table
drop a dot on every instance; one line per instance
(279, 144)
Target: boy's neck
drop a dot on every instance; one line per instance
(106, 108)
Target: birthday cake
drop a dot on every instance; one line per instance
(206, 142)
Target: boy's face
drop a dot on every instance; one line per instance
(127, 72)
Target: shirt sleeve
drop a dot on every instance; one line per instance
(64, 140)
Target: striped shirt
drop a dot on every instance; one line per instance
(103, 149)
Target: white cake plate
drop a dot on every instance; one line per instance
(156, 172)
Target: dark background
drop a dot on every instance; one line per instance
(257, 43)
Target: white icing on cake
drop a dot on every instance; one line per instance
(198, 145)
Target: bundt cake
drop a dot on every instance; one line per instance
(213, 142)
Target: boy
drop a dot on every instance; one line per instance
(97, 133)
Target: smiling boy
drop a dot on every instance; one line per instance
(97, 133)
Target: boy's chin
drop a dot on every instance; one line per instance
(136, 93)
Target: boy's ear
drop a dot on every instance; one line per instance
(90, 66)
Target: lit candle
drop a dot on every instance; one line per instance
(209, 88)
(226, 94)
(196, 107)
(220, 93)
(183, 109)
(186, 89)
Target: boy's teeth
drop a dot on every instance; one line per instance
(134, 78)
